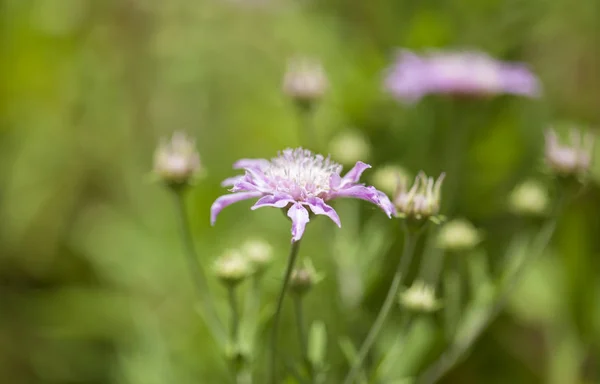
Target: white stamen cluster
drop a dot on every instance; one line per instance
(299, 172)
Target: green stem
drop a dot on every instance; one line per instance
(196, 271)
(234, 329)
(277, 316)
(299, 312)
(453, 355)
(307, 126)
(409, 246)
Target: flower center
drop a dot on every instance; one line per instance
(301, 173)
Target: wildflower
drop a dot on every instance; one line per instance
(259, 253)
(472, 73)
(305, 81)
(529, 198)
(420, 297)
(176, 161)
(458, 235)
(572, 159)
(295, 180)
(232, 268)
(422, 201)
(349, 146)
(303, 279)
(388, 177)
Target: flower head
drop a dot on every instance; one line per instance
(296, 180)
(472, 73)
(571, 159)
(422, 200)
(305, 80)
(176, 161)
(458, 235)
(529, 198)
(232, 267)
(258, 252)
(420, 297)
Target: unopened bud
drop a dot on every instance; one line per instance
(422, 200)
(389, 177)
(232, 268)
(259, 253)
(458, 235)
(420, 297)
(304, 278)
(305, 81)
(572, 159)
(176, 161)
(529, 198)
(349, 147)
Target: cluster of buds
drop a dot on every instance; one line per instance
(176, 161)
(422, 201)
(529, 198)
(569, 160)
(420, 297)
(305, 81)
(304, 278)
(458, 236)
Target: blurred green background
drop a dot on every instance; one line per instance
(93, 285)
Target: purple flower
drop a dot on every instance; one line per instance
(472, 73)
(296, 180)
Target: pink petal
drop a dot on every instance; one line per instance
(299, 216)
(227, 200)
(277, 201)
(230, 181)
(251, 163)
(319, 207)
(353, 175)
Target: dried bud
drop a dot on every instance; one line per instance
(305, 81)
(529, 198)
(420, 297)
(422, 201)
(573, 159)
(458, 236)
(388, 177)
(232, 268)
(259, 253)
(176, 161)
(349, 147)
(303, 279)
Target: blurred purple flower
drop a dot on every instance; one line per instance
(297, 179)
(472, 73)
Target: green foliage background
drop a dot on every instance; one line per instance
(93, 281)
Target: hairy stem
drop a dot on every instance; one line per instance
(277, 316)
(409, 246)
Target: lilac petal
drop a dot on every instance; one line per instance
(335, 181)
(227, 200)
(386, 204)
(319, 207)
(251, 163)
(230, 181)
(277, 201)
(369, 194)
(299, 216)
(353, 175)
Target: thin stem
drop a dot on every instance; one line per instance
(307, 126)
(449, 359)
(299, 312)
(234, 329)
(409, 246)
(196, 271)
(277, 316)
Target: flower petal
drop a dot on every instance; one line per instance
(230, 181)
(299, 216)
(353, 175)
(369, 194)
(251, 163)
(277, 201)
(227, 200)
(319, 207)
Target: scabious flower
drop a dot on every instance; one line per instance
(305, 81)
(176, 161)
(420, 297)
(422, 200)
(571, 159)
(296, 180)
(472, 73)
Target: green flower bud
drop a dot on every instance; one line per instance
(458, 235)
